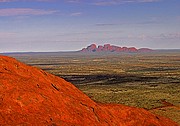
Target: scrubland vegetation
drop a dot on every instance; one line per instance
(150, 81)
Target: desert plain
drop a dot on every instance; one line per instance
(145, 80)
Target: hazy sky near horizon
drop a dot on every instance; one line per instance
(64, 25)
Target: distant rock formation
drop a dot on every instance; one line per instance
(112, 48)
(30, 96)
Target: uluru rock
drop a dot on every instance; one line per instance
(30, 96)
(112, 48)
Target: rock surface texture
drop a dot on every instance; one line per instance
(30, 96)
(112, 48)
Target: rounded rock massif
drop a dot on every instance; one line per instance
(112, 48)
(30, 96)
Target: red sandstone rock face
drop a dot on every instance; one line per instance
(112, 48)
(30, 96)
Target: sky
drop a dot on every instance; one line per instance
(69, 25)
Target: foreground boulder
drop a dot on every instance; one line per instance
(30, 96)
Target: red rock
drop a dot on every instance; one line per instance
(107, 47)
(112, 48)
(84, 50)
(119, 49)
(30, 96)
(144, 50)
(92, 48)
(100, 48)
(132, 50)
(124, 49)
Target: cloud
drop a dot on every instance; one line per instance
(93, 2)
(117, 2)
(105, 3)
(7, 1)
(25, 11)
(76, 14)
(157, 37)
(146, 1)
(73, 1)
(104, 24)
(149, 21)
(175, 35)
(4, 1)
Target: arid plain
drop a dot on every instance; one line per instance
(145, 80)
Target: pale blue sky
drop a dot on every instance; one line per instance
(67, 25)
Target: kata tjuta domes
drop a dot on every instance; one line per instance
(30, 96)
(112, 48)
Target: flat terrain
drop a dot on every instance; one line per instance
(150, 81)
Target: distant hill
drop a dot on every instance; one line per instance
(112, 48)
